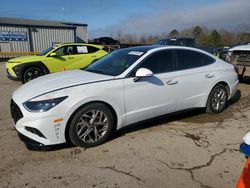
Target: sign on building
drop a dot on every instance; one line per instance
(13, 36)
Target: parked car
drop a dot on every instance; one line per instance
(126, 86)
(106, 41)
(54, 59)
(190, 42)
(240, 57)
(222, 53)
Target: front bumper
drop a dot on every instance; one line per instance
(36, 146)
(28, 141)
(38, 129)
(11, 76)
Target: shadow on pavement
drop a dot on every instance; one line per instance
(245, 80)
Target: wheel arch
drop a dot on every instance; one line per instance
(214, 85)
(224, 84)
(115, 116)
(38, 64)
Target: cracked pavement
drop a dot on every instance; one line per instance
(192, 149)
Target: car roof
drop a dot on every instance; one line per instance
(87, 44)
(162, 47)
(143, 48)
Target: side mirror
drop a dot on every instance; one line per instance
(142, 72)
(53, 54)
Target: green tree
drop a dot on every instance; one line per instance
(244, 37)
(227, 38)
(174, 33)
(197, 32)
(215, 39)
(199, 36)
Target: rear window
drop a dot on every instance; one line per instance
(92, 49)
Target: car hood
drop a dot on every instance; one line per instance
(30, 58)
(241, 48)
(56, 81)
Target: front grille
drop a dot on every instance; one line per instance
(16, 113)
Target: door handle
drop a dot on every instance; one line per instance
(171, 82)
(209, 76)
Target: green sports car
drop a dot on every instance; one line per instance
(54, 59)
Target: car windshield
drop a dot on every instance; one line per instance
(46, 51)
(115, 63)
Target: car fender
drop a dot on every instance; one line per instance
(121, 120)
(21, 67)
(217, 81)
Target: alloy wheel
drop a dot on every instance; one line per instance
(219, 99)
(92, 126)
(31, 74)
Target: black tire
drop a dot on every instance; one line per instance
(217, 100)
(31, 73)
(88, 124)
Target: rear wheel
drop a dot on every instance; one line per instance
(217, 100)
(92, 125)
(31, 73)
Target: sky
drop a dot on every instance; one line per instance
(149, 17)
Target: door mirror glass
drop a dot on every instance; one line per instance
(143, 72)
(53, 54)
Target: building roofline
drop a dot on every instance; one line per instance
(39, 23)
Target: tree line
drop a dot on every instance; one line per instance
(204, 37)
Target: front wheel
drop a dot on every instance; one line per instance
(31, 73)
(217, 100)
(91, 125)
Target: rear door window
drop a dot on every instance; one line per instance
(187, 59)
(82, 50)
(92, 49)
(66, 50)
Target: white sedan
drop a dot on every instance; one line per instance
(124, 87)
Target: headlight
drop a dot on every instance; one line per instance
(17, 69)
(42, 106)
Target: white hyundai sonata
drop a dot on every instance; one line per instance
(124, 87)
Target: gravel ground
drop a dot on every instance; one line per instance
(186, 150)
